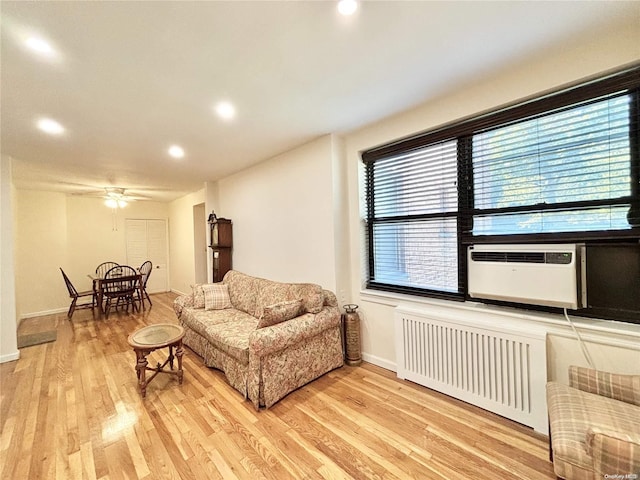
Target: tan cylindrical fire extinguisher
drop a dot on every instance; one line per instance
(351, 319)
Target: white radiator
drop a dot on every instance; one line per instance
(495, 367)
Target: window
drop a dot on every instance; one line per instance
(415, 203)
(529, 176)
(564, 167)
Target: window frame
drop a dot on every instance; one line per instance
(627, 80)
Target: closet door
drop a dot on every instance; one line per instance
(147, 240)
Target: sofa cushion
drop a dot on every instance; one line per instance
(280, 312)
(271, 293)
(233, 337)
(198, 296)
(572, 412)
(243, 292)
(216, 296)
(198, 319)
(197, 292)
(252, 294)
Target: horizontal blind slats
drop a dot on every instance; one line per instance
(579, 154)
(421, 182)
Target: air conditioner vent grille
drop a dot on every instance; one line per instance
(509, 257)
(558, 258)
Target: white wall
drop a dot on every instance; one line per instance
(283, 216)
(76, 233)
(569, 62)
(41, 249)
(181, 241)
(8, 324)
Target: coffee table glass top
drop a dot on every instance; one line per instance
(158, 334)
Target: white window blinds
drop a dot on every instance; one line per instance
(412, 218)
(561, 172)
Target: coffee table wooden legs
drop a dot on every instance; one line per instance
(179, 353)
(142, 365)
(141, 370)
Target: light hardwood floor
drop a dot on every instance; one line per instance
(71, 409)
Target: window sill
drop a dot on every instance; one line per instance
(627, 333)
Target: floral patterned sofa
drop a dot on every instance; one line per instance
(269, 338)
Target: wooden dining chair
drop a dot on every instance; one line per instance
(101, 271)
(76, 295)
(120, 284)
(104, 267)
(145, 270)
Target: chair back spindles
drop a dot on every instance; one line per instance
(104, 267)
(121, 284)
(145, 269)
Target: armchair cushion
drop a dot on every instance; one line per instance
(613, 451)
(625, 388)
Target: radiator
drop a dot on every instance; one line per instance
(497, 368)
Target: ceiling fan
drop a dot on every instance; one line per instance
(114, 197)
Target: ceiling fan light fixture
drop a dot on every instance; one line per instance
(115, 198)
(115, 203)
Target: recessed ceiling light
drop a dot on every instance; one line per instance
(50, 126)
(347, 7)
(176, 151)
(40, 46)
(226, 110)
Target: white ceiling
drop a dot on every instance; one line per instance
(132, 78)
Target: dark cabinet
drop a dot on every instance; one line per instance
(221, 245)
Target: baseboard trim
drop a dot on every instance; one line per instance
(43, 313)
(380, 362)
(10, 357)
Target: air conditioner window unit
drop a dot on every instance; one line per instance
(548, 275)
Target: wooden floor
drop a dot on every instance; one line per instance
(71, 409)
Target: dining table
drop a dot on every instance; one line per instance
(99, 283)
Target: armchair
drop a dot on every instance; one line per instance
(595, 425)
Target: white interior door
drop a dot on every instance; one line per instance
(147, 240)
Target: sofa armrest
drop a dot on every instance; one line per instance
(181, 302)
(275, 338)
(625, 388)
(613, 453)
(330, 299)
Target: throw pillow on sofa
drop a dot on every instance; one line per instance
(216, 296)
(198, 295)
(280, 312)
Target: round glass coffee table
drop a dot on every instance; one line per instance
(150, 338)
